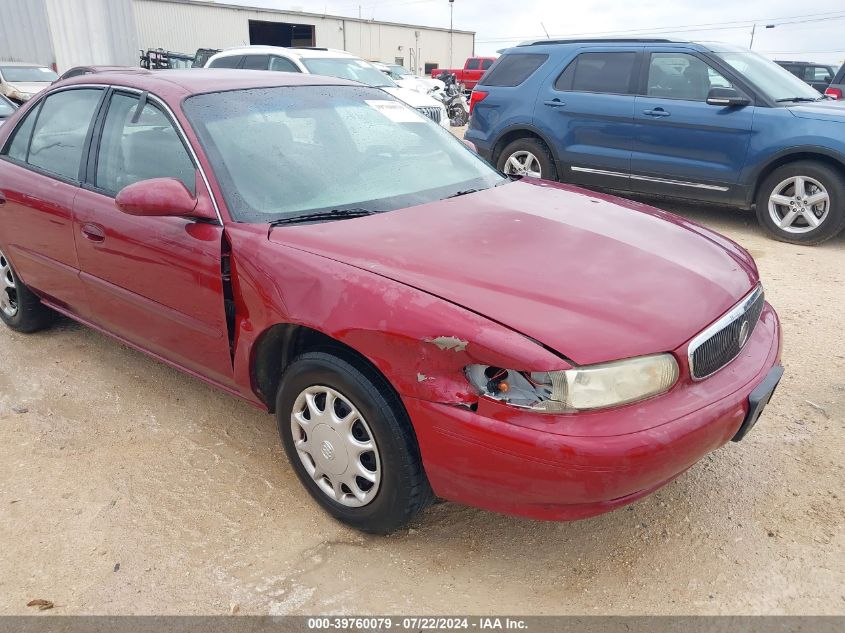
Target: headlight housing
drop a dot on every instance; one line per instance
(578, 389)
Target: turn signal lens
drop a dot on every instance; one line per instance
(476, 97)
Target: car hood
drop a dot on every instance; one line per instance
(591, 276)
(822, 110)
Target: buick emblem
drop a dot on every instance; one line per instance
(327, 450)
(744, 330)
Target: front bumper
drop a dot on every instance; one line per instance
(497, 461)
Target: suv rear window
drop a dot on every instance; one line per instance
(608, 73)
(512, 70)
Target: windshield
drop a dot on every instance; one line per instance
(287, 151)
(14, 74)
(401, 71)
(349, 68)
(775, 82)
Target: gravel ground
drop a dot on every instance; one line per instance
(127, 487)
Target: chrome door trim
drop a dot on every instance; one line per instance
(666, 181)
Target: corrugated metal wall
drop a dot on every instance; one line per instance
(93, 32)
(185, 27)
(69, 33)
(24, 32)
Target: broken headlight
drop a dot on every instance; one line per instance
(578, 389)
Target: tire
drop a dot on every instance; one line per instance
(402, 489)
(20, 308)
(524, 147)
(818, 179)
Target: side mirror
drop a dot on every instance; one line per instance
(470, 145)
(160, 197)
(727, 97)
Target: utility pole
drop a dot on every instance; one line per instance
(754, 29)
(451, 33)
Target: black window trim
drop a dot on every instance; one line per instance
(636, 70)
(77, 182)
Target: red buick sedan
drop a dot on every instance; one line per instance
(419, 324)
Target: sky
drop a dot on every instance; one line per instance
(813, 30)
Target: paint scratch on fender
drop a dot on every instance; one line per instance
(446, 343)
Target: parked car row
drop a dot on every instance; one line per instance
(331, 63)
(713, 123)
(420, 324)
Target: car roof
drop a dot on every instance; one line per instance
(292, 51)
(175, 84)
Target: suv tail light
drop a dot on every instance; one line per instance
(836, 93)
(475, 98)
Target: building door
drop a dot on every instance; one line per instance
(281, 34)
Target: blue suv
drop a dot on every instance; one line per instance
(707, 122)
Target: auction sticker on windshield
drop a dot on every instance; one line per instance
(394, 111)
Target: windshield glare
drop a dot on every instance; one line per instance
(401, 71)
(14, 74)
(286, 151)
(349, 68)
(774, 81)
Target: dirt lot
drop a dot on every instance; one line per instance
(126, 487)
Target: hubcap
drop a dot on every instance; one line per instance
(799, 204)
(336, 446)
(8, 288)
(523, 163)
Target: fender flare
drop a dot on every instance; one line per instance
(799, 152)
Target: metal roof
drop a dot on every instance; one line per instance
(222, 5)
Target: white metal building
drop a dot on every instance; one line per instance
(68, 33)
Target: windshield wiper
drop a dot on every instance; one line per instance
(798, 100)
(465, 192)
(334, 214)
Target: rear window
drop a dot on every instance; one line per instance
(608, 73)
(512, 70)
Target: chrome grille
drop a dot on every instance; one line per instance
(719, 344)
(432, 112)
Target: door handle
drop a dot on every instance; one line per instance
(555, 103)
(657, 112)
(94, 233)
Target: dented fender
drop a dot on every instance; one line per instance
(421, 343)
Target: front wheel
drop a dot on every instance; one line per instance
(802, 203)
(527, 157)
(350, 442)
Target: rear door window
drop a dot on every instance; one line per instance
(512, 70)
(486, 64)
(474, 64)
(59, 132)
(231, 61)
(608, 73)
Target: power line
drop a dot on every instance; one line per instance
(687, 28)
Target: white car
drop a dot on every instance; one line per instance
(407, 79)
(20, 82)
(326, 61)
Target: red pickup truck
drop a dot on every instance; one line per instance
(469, 75)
